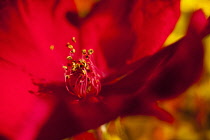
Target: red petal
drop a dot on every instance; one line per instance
(206, 31)
(71, 118)
(22, 113)
(199, 23)
(154, 22)
(107, 30)
(122, 27)
(170, 71)
(29, 29)
(144, 106)
(87, 114)
(186, 66)
(86, 136)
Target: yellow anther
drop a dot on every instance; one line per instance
(73, 69)
(67, 76)
(73, 63)
(74, 39)
(82, 61)
(87, 68)
(84, 64)
(69, 58)
(77, 65)
(73, 51)
(70, 46)
(90, 51)
(52, 47)
(65, 67)
(84, 51)
(83, 71)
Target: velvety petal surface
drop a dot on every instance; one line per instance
(28, 30)
(170, 71)
(123, 30)
(22, 113)
(72, 117)
(30, 27)
(153, 24)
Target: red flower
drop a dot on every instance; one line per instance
(125, 36)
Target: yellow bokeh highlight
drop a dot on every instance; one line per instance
(187, 7)
(207, 54)
(84, 6)
(192, 5)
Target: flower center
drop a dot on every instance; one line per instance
(81, 75)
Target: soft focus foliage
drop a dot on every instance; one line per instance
(191, 110)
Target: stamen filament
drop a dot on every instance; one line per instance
(81, 76)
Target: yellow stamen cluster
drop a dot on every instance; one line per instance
(82, 65)
(81, 75)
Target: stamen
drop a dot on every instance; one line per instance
(69, 46)
(69, 58)
(73, 51)
(81, 75)
(65, 67)
(74, 39)
(84, 52)
(52, 47)
(90, 51)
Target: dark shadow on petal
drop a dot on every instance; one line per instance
(167, 73)
(3, 138)
(73, 18)
(3, 3)
(2, 60)
(57, 89)
(60, 125)
(55, 5)
(118, 8)
(137, 74)
(179, 73)
(108, 29)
